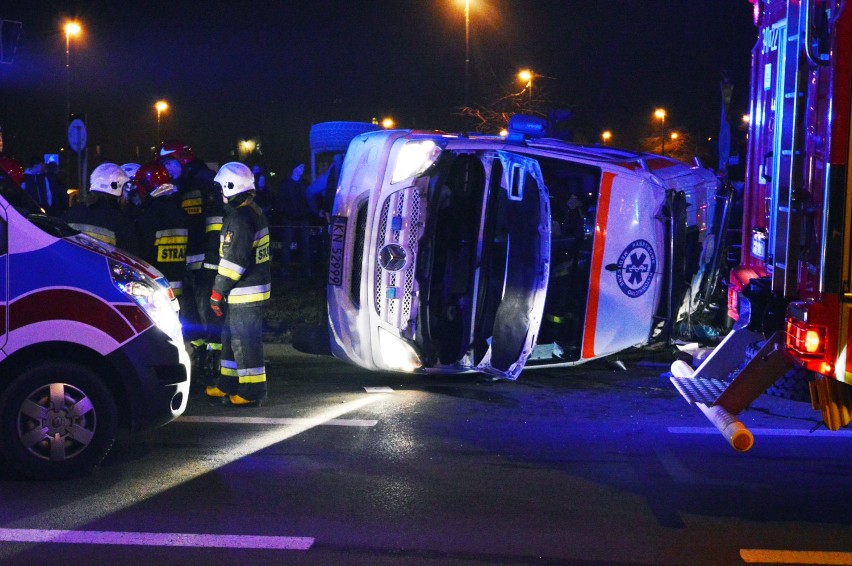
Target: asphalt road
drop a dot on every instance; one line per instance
(342, 466)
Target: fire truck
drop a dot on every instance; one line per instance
(790, 294)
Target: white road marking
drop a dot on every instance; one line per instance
(156, 539)
(765, 556)
(378, 390)
(764, 431)
(277, 421)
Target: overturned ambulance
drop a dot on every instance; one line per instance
(454, 253)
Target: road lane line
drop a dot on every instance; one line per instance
(765, 556)
(764, 431)
(277, 421)
(119, 538)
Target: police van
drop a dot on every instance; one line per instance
(453, 253)
(89, 342)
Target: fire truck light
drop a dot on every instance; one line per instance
(812, 342)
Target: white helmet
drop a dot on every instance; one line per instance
(108, 178)
(130, 169)
(235, 178)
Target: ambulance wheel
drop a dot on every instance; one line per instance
(58, 421)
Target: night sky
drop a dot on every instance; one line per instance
(270, 69)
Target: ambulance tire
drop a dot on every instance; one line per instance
(26, 407)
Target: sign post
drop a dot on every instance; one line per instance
(77, 142)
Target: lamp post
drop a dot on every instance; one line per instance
(661, 114)
(160, 106)
(526, 75)
(72, 29)
(467, 53)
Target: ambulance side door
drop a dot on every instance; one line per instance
(627, 261)
(526, 212)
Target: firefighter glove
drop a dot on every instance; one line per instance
(217, 302)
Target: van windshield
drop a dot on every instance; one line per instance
(26, 206)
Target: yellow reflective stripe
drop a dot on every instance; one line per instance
(229, 273)
(170, 240)
(253, 297)
(263, 240)
(192, 202)
(259, 378)
(213, 227)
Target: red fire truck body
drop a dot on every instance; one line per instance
(791, 295)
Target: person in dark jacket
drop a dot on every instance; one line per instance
(161, 225)
(297, 220)
(99, 215)
(241, 288)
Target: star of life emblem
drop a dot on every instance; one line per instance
(636, 266)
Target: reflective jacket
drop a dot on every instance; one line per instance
(196, 188)
(244, 276)
(101, 218)
(163, 237)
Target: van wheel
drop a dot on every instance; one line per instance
(57, 420)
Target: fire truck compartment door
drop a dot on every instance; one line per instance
(527, 226)
(627, 262)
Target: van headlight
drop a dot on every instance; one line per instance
(414, 157)
(397, 354)
(150, 295)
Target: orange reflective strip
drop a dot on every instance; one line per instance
(597, 265)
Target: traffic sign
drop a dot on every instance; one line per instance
(77, 135)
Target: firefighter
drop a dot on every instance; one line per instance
(99, 215)
(162, 225)
(241, 288)
(202, 204)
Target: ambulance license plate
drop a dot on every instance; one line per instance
(338, 248)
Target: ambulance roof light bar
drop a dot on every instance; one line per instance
(523, 127)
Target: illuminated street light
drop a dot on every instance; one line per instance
(388, 123)
(160, 106)
(526, 75)
(660, 114)
(606, 136)
(674, 135)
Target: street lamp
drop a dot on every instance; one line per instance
(388, 123)
(606, 136)
(160, 106)
(660, 113)
(527, 75)
(72, 29)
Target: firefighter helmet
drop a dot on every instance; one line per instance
(176, 149)
(235, 178)
(11, 169)
(151, 176)
(108, 178)
(130, 169)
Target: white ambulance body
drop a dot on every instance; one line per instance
(452, 253)
(89, 342)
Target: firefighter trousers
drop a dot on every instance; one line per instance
(242, 369)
